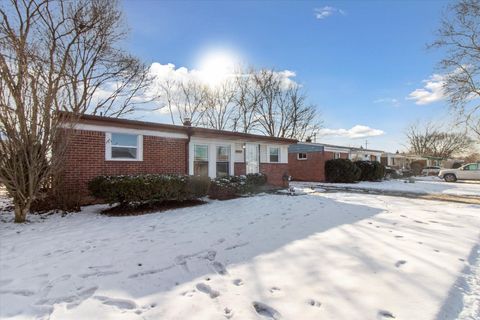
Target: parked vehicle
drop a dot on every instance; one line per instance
(392, 173)
(470, 171)
(431, 171)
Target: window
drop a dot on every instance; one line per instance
(336, 155)
(473, 166)
(302, 156)
(200, 160)
(123, 146)
(274, 154)
(223, 161)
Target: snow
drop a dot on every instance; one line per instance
(422, 185)
(314, 256)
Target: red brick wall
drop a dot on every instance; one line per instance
(275, 173)
(313, 168)
(85, 159)
(240, 168)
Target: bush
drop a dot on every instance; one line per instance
(370, 170)
(341, 170)
(417, 167)
(149, 188)
(230, 187)
(256, 179)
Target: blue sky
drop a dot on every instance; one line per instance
(357, 60)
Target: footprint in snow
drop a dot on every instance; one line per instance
(210, 255)
(228, 313)
(238, 282)
(219, 268)
(274, 289)
(202, 287)
(385, 314)
(399, 263)
(124, 304)
(25, 293)
(314, 303)
(266, 311)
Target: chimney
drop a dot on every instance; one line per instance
(309, 140)
(187, 122)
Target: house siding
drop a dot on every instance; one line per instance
(85, 159)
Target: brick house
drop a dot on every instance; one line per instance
(306, 160)
(110, 146)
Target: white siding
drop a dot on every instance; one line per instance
(239, 156)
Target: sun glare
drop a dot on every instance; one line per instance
(214, 66)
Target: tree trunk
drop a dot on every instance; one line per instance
(21, 211)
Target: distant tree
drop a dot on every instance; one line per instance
(430, 140)
(472, 157)
(459, 36)
(57, 56)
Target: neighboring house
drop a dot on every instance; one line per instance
(394, 160)
(365, 154)
(306, 161)
(111, 146)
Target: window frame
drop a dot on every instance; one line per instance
(270, 148)
(109, 146)
(337, 155)
(207, 161)
(227, 162)
(298, 156)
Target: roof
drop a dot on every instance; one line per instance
(316, 147)
(194, 131)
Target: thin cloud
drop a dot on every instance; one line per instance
(390, 101)
(431, 92)
(358, 131)
(327, 11)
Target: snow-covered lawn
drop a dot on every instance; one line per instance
(317, 256)
(425, 185)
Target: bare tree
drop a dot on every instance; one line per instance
(430, 140)
(459, 36)
(219, 113)
(57, 56)
(184, 98)
(282, 111)
(247, 101)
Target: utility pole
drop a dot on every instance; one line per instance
(366, 144)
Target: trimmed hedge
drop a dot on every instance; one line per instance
(140, 189)
(371, 170)
(230, 187)
(341, 170)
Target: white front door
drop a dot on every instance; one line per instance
(252, 158)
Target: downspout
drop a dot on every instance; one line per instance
(188, 126)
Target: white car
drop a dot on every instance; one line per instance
(431, 171)
(470, 171)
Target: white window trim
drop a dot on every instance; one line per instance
(108, 148)
(279, 154)
(230, 160)
(212, 157)
(301, 159)
(208, 157)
